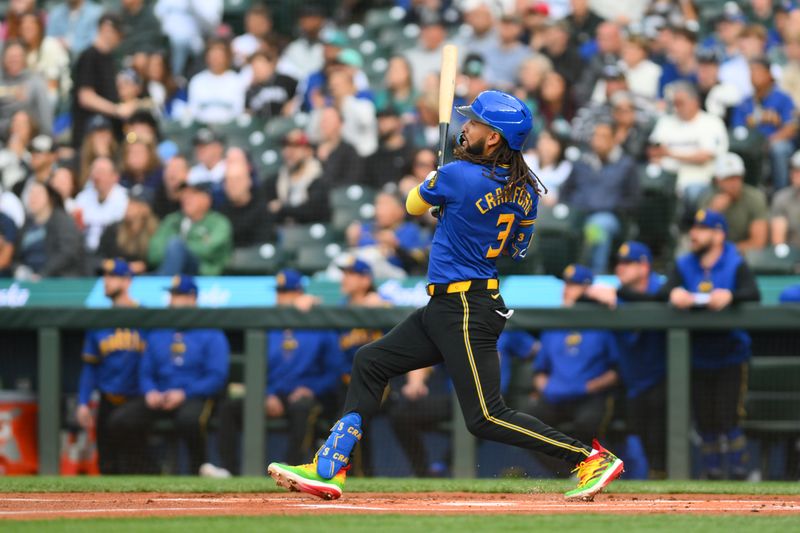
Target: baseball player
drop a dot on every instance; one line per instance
(111, 359)
(487, 202)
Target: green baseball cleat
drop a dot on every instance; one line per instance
(595, 473)
(304, 478)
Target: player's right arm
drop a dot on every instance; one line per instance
(518, 246)
(437, 189)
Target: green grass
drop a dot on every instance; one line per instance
(430, 524)
(251, 484)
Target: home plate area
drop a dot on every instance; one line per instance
(108, 504)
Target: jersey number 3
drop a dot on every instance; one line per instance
(508, 221)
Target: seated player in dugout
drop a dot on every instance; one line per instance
(487, 203)
(303, 369)
(182, 373)
(575, 370)
(111, 358)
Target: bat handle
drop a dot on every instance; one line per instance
(444, 127)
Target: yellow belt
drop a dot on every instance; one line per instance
(463, 286)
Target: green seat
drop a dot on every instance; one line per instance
(293, 238)
(262, 259)
(277, 128)
(181, 134)
(316, 257)
(774, 261)
(351, 196)
(342, 217)
(752, 147)
(655, 217)
(558, 237)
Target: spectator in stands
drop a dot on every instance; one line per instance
(714, 276)
(549, 164)
(426, 56)
(394, 241)
(169, 97)
(22, 88)
(298, 193)
(631, 134)
(733, 68)
(140, 28)
(595, 111)
(209, 152)
(270, 91)
(181, 374)
(8, 239)
(187, 24)
(142, 171)
(14, 151)
(168, 193)
(305, 53)
(564, 59)
(130, 91)
(74, 24)
(785, 212)
(99, 142)
(530, 77)
(790, 75)
(753, 42)
(63, 181)
(42, 152)
(575, 370)
(195, 240)
(50, 244)
(609, 48)
(216, 95)
(421, 164)
(341, 163)
(718, 98)
(606, 168)
(258, 30)
(390, 161)
(46, 56)
(424, 131)
(770, 111)
(111, 359)
(555, 101)
(359, 125)
(12, 15)
(642, 74)
(688, 141)
(482, 38)
(474, 77)
(536, 17)
(335, 55)
(129, 238)
(681, 62)
(744, 206)
(244, 204)
(398, 90)
(642, 361)
(583, 23)
(12, 207)
(103, 203)
(304, 368)
(94, 81)
(507, 54)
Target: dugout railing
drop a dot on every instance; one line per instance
(48, 323)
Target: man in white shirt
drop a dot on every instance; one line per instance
(305, 53)
(103, 202)
(216, 95)
(187, 23)
(688, 141)
(426, 57)
(209, 152)
(481, 37)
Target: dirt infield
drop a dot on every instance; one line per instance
(109, 504)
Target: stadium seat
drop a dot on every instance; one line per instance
(752, 147)
(774, 260)
(656, 214)
(262, 259)
(316, 257)
(351, 196)
(292, 238)
(558, 238)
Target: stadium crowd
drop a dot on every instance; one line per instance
(177, 138)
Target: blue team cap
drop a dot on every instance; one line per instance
(635, 252)
(711, 219)
(790, 295)
(288, 280)
(183, 284)
(578, 274)
(116, 267)
(358, 266)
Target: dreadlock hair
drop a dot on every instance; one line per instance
(519, 173)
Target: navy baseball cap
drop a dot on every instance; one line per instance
(116, 267)
(634, 252)
(790, 295)
(578, 274)
(183, 284)
(357, 266)
(711, 219)
(288, 280)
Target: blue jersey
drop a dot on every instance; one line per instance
(195, 360)
(767, 116)
(308, 358)
(642, 361)
(111, 362)
(715, 349)
(480, 219)
(511, 345)
(571, 359)
(410, 237)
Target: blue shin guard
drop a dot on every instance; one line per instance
(335, 453)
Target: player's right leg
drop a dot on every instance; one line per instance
(407, 347)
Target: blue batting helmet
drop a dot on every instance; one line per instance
(506, 114)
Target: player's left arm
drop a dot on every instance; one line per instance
(438, 188)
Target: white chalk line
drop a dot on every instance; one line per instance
(109, 510)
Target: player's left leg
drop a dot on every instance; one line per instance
(730, 404)
(191, 423)
(465, 327)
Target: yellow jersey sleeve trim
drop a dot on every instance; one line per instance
(527, 222)
(415, 204)
(90, 358)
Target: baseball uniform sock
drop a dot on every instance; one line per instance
(335, 453)
(711, 455)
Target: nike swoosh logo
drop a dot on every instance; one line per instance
(495, 296)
